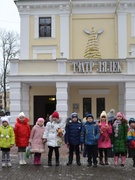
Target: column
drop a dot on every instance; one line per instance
(122, 35)
(62, 99)
(19, 100)
(130, 99)
(64, 35)
(25, 99)
(121, 93)
(24, 48)
(15, 100)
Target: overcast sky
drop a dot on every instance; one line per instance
(9, 16)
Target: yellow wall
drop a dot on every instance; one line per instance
(111, 99)
(107, 40)
(45, 41)
(44, 56)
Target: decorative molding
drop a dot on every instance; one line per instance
(44, 50)
(86, 5)
(94, 91)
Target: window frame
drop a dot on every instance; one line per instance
(36, 26)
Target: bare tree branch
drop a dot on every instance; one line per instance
(10, 49)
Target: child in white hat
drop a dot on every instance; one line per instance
(7, 141)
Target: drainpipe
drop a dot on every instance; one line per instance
(70, 29)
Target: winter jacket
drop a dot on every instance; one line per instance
(22, 132)
(7, 136)
(90, 133)
(105, 132)
(120, 142)
(73, 132)
(51, 133)
(36, 136)
(131, 137)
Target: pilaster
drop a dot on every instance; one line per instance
(122, 34)
(62, 99)
(129, 99)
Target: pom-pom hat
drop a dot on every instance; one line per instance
(5, 118)
(103, 114)
(55, 115)
(74, 114)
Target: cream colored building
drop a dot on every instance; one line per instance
(52, 64)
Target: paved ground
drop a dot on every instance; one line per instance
(63, 172)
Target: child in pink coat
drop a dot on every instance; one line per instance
(104, 142)
(36, 142)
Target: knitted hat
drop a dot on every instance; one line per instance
(21, 114)
(5, 118)
(103, 114)
(131, 120)
(55, 115)
(89, 115)
(111, 115)
(74, 114)
(121, 114)
(40, 120)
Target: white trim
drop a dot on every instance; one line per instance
(133, 25)
(36, 25)
(94, 91)
(44, 50)
(24, 48)
(122, 35)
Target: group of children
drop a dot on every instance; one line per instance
(97, 137)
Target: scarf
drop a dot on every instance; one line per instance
(116, 127)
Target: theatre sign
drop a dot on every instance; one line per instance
(100, 66)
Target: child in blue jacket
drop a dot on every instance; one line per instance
(90, 136)
(73, 137)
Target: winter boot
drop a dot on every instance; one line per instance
(123, 160)
(116, 158)
(39, 159)
(133, 162)
(78, 161)
(35, 160)
(24, 156)
(3, 163)
(20, 155)
(106, 160)
(101, 161)
(70, 160)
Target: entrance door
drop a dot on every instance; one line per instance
(44, 105)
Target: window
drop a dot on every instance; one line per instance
(45, 27)
(100, 103)
(86, 106)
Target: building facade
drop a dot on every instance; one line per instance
(75, 56)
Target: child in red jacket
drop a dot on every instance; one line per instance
(22, 135)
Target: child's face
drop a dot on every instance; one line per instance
(74, 119)
(103, 118)
(132, 125)
(22, 118)
(4, 123)
(40, 123)
(119, 117)
(89, 119)
(54, 119)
